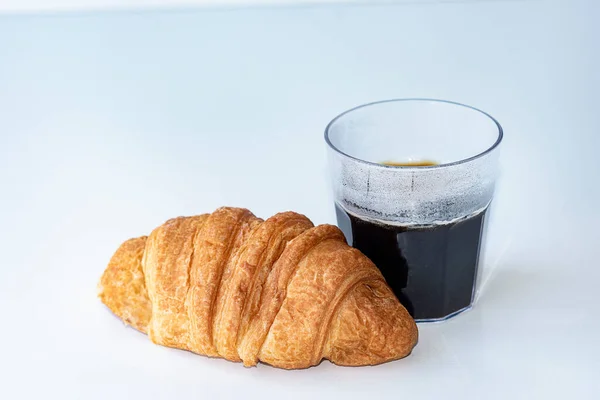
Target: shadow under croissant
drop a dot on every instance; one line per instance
(280, 291)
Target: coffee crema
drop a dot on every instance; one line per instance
(421, 163)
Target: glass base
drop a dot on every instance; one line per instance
(447, 317)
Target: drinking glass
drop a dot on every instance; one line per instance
(421, 225)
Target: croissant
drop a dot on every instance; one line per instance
(279, 291)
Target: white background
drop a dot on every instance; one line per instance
(20, 6)
(112, 122)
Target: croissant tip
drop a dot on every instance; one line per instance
(100, 290)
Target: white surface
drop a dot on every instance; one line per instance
(111, 123)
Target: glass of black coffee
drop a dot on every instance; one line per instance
(413, 180)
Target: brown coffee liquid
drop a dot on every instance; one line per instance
(423, 163)
(431, 269)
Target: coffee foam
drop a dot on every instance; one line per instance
(413, 196)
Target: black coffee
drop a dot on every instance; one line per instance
(431, 269)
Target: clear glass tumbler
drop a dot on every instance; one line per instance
(412, 181)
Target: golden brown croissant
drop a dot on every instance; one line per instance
(280, 291)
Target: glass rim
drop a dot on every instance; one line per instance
(414, 167)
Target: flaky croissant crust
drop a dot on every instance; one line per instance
(280, 291)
